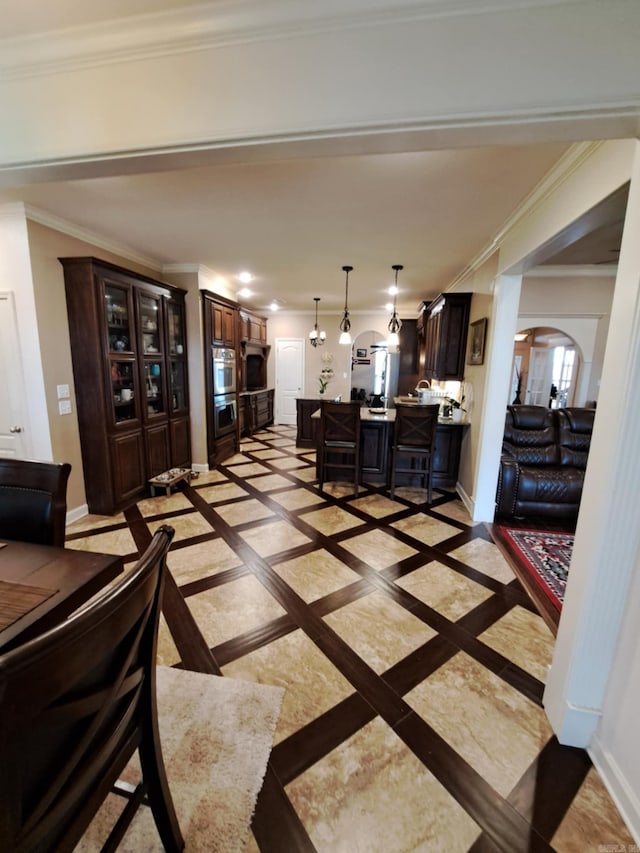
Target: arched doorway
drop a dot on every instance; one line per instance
(374, 370)
(546, 366)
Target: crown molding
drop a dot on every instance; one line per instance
(42, 217)
(210, 25)
(570, 161)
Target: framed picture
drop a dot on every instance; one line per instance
(361, 353)
(478, 335)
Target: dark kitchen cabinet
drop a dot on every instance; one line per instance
(128, 346)
(306, 428)
(442, 330)
(256, 410)
(253, 329)
(223, 324)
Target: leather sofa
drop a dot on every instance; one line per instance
(544, 456)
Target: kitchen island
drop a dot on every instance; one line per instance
(376, 433)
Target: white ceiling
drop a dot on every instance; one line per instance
(293, 223)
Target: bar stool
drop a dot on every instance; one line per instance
(339, 446)
(414, 438)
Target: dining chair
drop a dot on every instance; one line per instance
(77, 702)
(339, 447)
(33, 501)
(414, 436)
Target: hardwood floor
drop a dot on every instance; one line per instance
(412, 658)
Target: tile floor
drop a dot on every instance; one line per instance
(412, 659)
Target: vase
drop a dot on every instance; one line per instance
(457, 415)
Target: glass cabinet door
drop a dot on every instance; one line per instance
(154, 388)
(118, 314)
(177, 387)
(175, 328)
(123, 390)
(150, 324)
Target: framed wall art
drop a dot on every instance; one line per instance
(478, 335)
(361, 353)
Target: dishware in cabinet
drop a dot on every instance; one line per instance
(118, 315)
(154, 388)
(123, 390)
(150, 323)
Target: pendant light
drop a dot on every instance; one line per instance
(395, 323)
(316, 338)
(345, 323)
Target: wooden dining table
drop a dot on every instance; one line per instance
(40, 586)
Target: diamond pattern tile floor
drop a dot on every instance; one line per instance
(412, 659)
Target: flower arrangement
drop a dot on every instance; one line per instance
(326, 374)
(456, 404)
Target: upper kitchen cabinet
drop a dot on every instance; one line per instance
(442, 330)
(253, 329)
(223, 320)
(128, 346)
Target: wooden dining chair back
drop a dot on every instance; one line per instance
(33, 501)
(339, 446)
(76, 703)
(414, 437)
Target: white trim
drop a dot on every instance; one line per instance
(200, 467)
(66, 227)
(206, 26)
(77, 513)
(625, 798)
(561, 171)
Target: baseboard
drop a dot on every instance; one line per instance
(76, 513)
(623, 795)
(200, 467)
(466, 499)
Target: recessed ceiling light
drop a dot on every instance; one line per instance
(388, 306)
(274, 306)
(245, 292)
(392, 290)
(245, 277)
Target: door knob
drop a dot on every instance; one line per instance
(15, 429)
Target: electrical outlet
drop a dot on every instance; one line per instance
(63, 392)
(64, 407)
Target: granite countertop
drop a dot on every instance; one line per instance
(389, 416)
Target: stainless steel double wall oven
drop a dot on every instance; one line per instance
(224, 390)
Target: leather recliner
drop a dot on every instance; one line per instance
(544, 456)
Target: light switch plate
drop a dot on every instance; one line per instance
(63, 392)
(64, 407)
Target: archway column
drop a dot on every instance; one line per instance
(503, 323)
(607, 535)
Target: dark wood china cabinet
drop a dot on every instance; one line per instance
(129, 352)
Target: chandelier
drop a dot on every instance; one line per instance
(316, 338)
(395, 323)
(345, 323)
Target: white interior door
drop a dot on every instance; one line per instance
(14, 441)
(289, 378)
(540, 373)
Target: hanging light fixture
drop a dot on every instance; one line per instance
(316, 338)
(345, 323)
(395, 323)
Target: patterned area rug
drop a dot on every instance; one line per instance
(546, 556)
(216, 736)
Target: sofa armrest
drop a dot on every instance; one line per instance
(507, 492)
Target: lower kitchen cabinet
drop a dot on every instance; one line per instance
(375, 449)
(256, 410)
